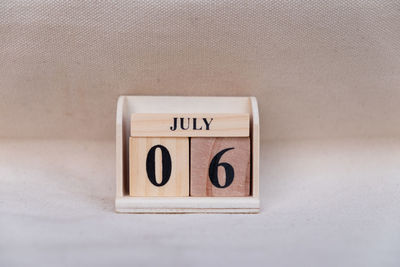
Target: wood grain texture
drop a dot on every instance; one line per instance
(139, 182)
(190, 124)
(203, 150)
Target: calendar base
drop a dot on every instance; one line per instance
(187, 205)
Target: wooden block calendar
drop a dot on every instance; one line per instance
(187, 155)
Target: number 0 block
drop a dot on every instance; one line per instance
(220, 167)
(159, 166)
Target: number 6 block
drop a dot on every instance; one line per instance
(220, 167)
(159, 166)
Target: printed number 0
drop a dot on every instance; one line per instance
(213, 170)
(151, 165)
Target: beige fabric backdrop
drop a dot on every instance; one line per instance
(318, 68)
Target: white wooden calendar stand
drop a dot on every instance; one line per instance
(179, 104)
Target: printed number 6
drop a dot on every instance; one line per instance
(213, 170)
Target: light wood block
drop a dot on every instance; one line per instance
(190, 124)
(220, 167)
(159, 167)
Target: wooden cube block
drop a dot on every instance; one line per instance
(220, 167)
(187, 124)
(159, 166)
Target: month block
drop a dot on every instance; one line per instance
(159, 166)
(220, 167)
(187, 124)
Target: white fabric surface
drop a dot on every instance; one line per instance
(324, 203)
(327, 78)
